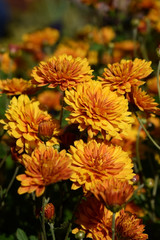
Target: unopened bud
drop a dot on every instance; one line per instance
(149, 182)
(80, 235)
(135, 179)
(45, 130)
(135, 22)
(49, 211)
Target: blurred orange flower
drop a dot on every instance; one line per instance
(93, 219)
(128, 226)
(64, 71)
(37, 39)
(7, 63)
(50, 100)
(94, 161)
(98, 109)
(122, 76)
(16, 86)
(22, 120)
(45, 166)
(113, 193)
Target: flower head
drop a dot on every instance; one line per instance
(45, 166)
(16, 86)
(94, 219)
(113, 193)
(50, 100)
(93, 162)
(36, 39)
(49, 211)
(22, 120)
(143, 101)
(122, 76)
(7, 63)
(128, 226)
(98, 109)
(64, 71)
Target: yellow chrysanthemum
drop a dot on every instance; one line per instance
(98, 109)
(23, 118)
(128, 226)
(143, 101)
(93, 219)
(64, 71)
(113, 193)
(93, 162)
(16, 86)
(45, 166)
(122, 76)
(50, 100)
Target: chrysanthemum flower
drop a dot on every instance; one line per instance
(50, 100)
(103, 35)
(128, 226)
(152, 85)
(94, 161)
(143, 101)
(64, 71)
(93, 219)
(23, 118)
(45, 166)
(37, 39)
(98, 109)
(122, 76)
(16, 86)
(7, 64)
(113, 193)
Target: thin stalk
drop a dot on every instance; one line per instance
(158, 85)
(113, 225)
(147, 133)
(61, 113)
(43, 218)
(73, 216)
(143, 49)
(51, 225)
(156, 179)
(140, 168)
(12, 180)
(135, 41)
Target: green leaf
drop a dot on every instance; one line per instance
(33, 238)
(3, 237)
(21, 235)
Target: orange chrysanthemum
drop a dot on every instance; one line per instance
(45, 166)
(143, 101)
(50, 100)
(122, 76)
(16, 86)
(94, 219)
(98, 109)
(113, 193)
(37, 39)
(128, 226)
(7, 63)
(23, 118)
(152, 85)
(64, 71)
(103, 35)
(94, 161)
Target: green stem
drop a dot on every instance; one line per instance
(52, 230)
(135, 41)
(147, 133)
(43, 218)
(156, 179)
(113, 225)
(158, 85)
(61, 113)
(143, 49)
(12, 180)
(140, 168)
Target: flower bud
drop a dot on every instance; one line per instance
(80, 235)
(135, 179)
(49, 211)
(45, 130)
(149, 183)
